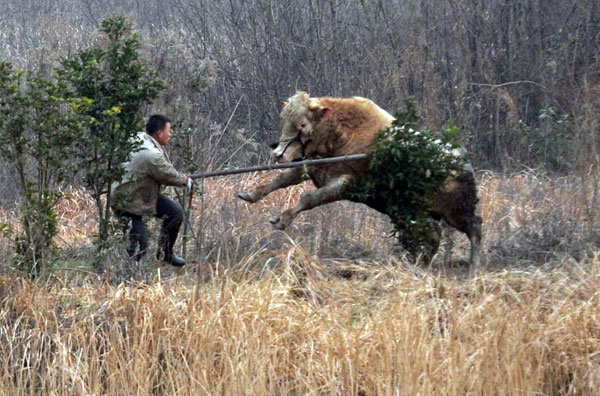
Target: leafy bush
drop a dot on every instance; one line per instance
(407, 168)
(39, 125)
(119, 84)
(550, 144)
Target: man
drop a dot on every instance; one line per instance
(138, 194)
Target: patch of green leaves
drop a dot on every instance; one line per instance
(118, 84)
(550, 143)
(39, 127)
(407, 169)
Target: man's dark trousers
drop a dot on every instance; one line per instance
(171, 213)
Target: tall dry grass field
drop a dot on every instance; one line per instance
(328, 308)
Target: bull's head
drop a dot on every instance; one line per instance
(299, 116)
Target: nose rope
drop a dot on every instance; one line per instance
(296, 138)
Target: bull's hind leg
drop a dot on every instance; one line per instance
(456, 205)
(332, 191)
(287, 178)
(471, 226)
(474, 235)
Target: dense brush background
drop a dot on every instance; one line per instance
(331, 306)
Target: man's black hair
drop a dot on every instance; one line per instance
(156, 122)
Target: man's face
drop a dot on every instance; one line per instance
(163, 136)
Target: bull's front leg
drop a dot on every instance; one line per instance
(286, 179)
(334, 190)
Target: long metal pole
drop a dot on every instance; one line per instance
(279, 166)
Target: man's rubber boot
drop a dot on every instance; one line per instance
(174, 260)
(165, 251)
(132, 248)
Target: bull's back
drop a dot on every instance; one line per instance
(357, 120)
(352, 129)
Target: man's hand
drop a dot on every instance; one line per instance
(190, 183)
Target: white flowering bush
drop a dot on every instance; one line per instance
(408, 167)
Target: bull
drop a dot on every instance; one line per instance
(313, 128)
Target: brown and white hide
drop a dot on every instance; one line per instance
(327, 127)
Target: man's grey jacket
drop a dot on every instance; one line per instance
(147, 169)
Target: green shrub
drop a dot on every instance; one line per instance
(39, 126)
(550, 144)
(408, 166)
(119, 84)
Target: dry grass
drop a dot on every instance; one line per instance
(324, 309)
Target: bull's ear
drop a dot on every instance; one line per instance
(283, 103)
(326, 112)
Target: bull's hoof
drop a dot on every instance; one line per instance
(277, 223)
(246, 197)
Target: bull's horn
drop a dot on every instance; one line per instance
(313, 105)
